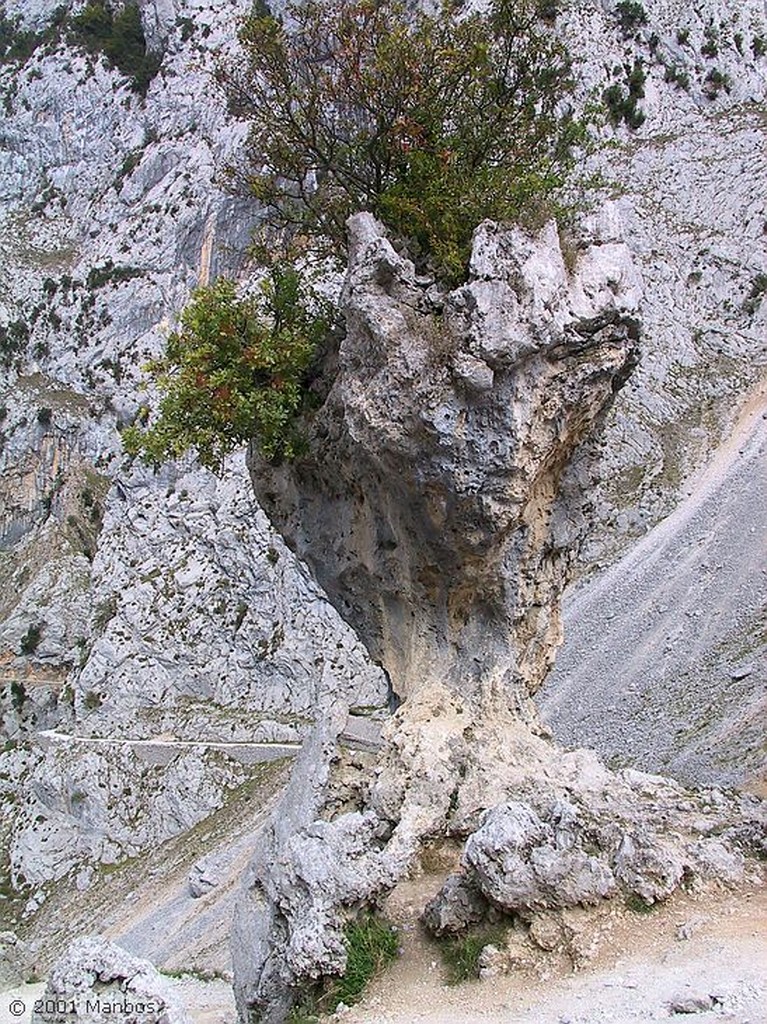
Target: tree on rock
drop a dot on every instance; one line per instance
(432, 122)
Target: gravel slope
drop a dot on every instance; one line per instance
(664, 664)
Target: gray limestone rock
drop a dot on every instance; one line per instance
(202, 879)
(458, 906)
(691, 1004)
(95, 980)
(428, 510)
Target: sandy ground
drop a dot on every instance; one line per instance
(641, 969)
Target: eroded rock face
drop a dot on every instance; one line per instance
(430, 509)
(428, 505)
(96, 979)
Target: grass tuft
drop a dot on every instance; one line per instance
(461, 953)
(639, 905)
(371, 945)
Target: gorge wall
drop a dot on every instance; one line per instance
(167, 608)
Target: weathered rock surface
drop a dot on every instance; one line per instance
(96, 980)
(14, 960)
(132, 606)
(599, 835)
(692, 188)
(428, 509)
(429, 512)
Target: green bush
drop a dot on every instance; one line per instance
(29, 642)
(17, 44)
(710, 48)
(714, 82)
(631, 16)
(13, 338)
(622, 104)
(677, 75)
(235, 370)
(18, 694)
(120, 37)
(430, 121)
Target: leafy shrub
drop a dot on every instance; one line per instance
(630, 16)
(13, 337)
(18, 695)
(431, 122)
(710, 48)
(17, 44)
(235, 370)
(758, 46)
(120, 37)
(676, 75)
(622, 105)
(108, 273)
(714, 82)
(29, 642)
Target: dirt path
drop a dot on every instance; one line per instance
(641, 970)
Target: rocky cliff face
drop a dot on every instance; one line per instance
(138, 608)
(134, 606)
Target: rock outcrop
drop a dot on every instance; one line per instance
(430, 506)
(441, 506)
(96, 980)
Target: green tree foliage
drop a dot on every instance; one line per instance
(120, 37)
(433, 122)
(234, 370)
